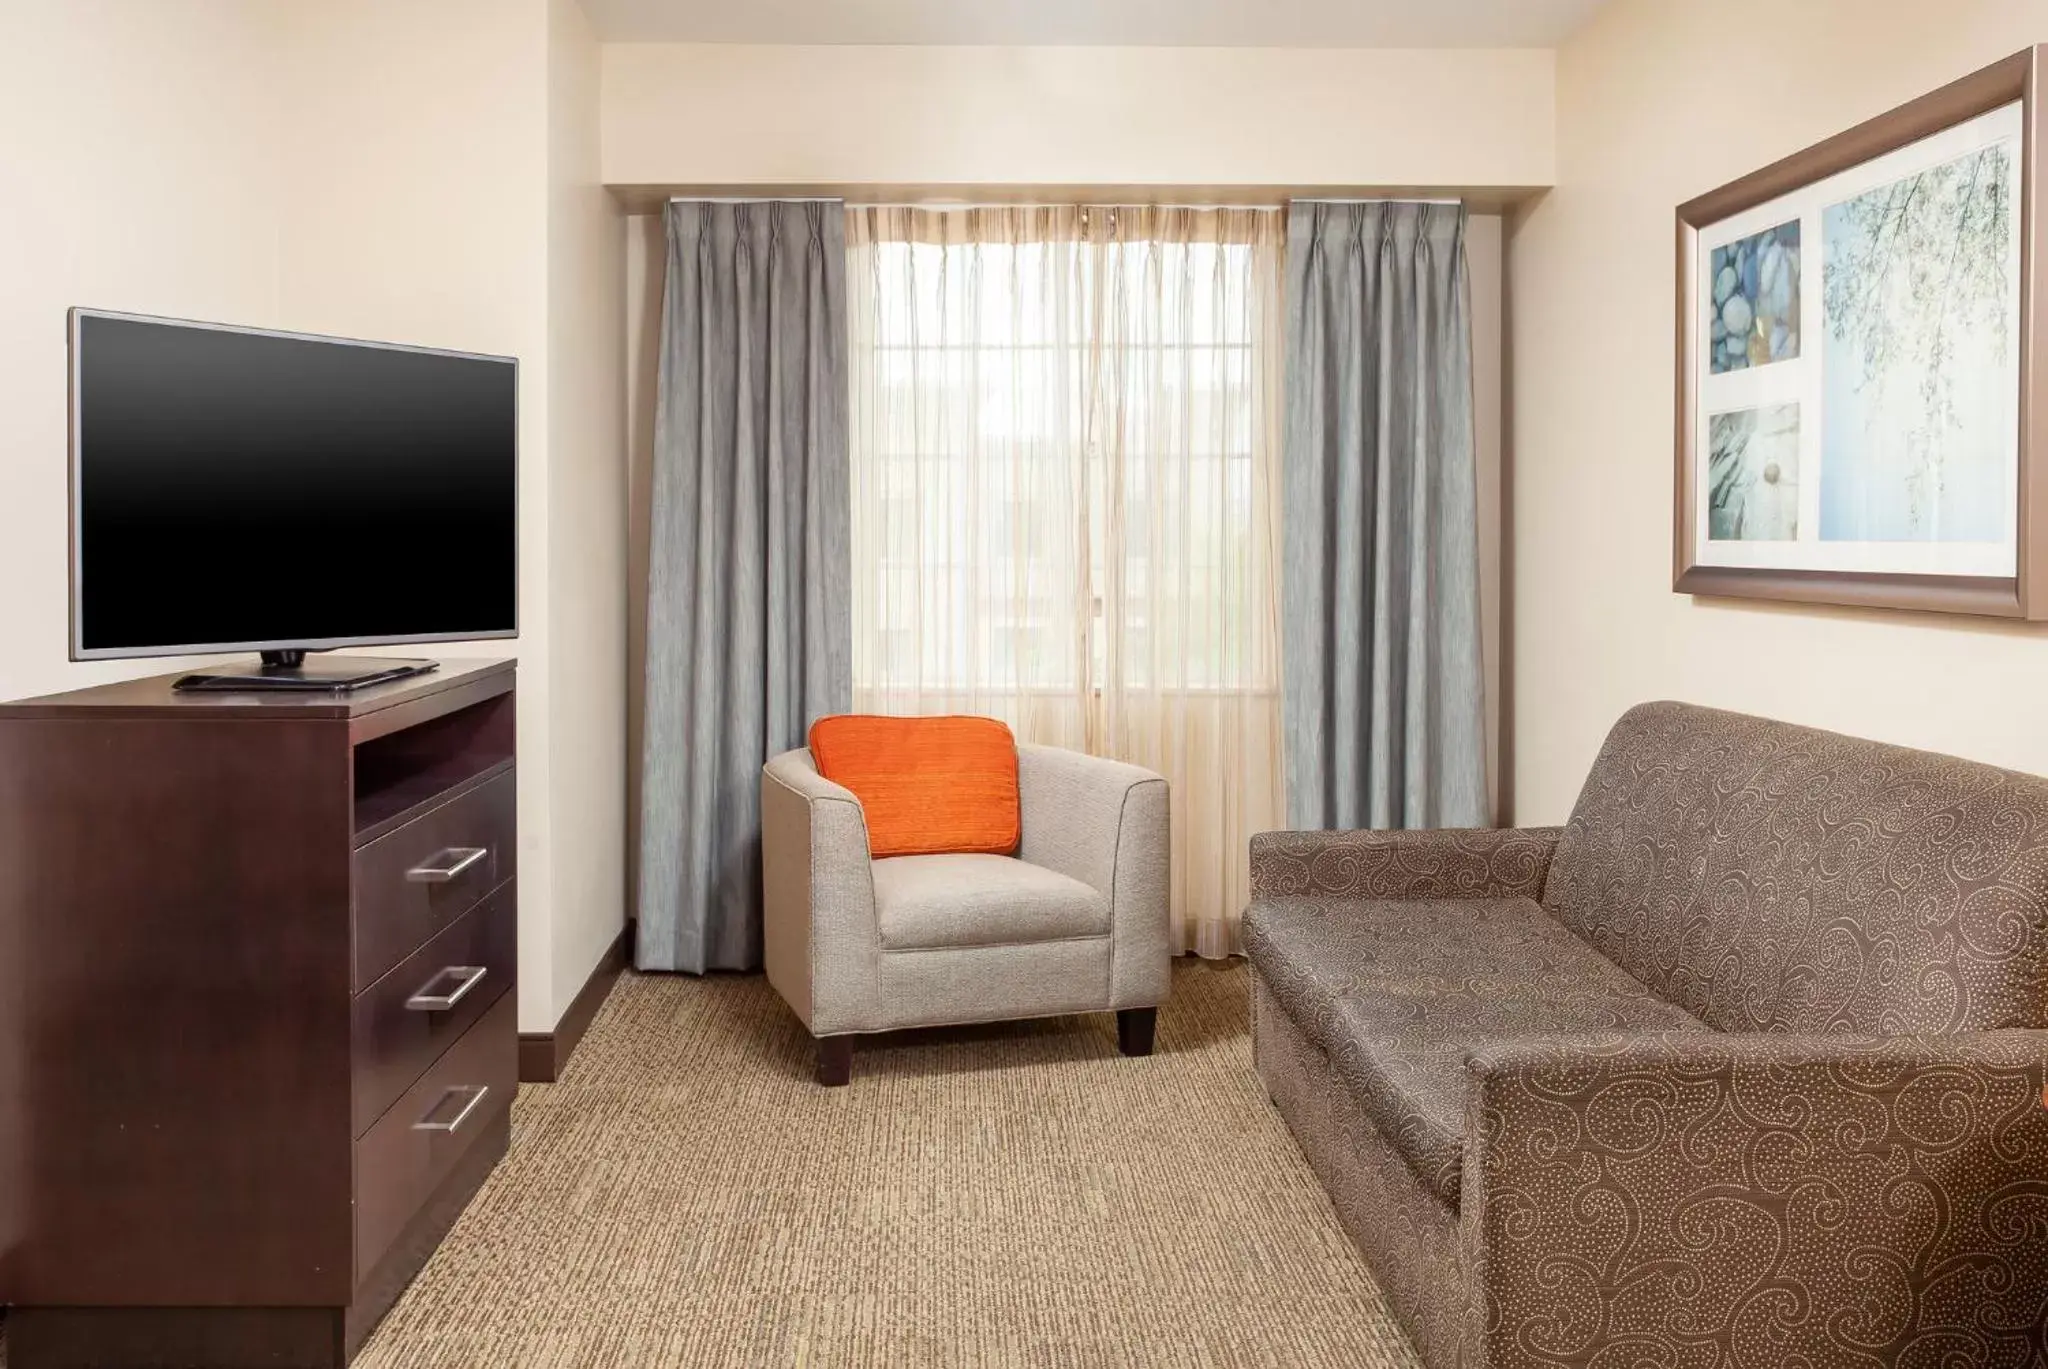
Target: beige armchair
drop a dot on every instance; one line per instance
(1075, 921)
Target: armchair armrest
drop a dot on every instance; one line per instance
(1104, 823)
(818, 895)
(1814, 1200)
(1452, 862)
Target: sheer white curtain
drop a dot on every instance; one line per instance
(1065, 437)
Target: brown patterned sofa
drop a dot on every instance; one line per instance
(1743, 1066)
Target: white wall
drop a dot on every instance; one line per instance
(445, 188)
(417, 170)
(587, 511)
(135, 173)
(690, 115)
(414, 202)
(1658, 102)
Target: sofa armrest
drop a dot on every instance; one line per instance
(1452, 862)
(818, 895)
(1105, 824)
(1812, 1200)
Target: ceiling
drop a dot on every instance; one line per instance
(1138, 23)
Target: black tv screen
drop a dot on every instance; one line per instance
(242, 490)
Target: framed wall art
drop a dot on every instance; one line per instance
(1859, 327)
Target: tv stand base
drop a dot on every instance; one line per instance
(294, 670)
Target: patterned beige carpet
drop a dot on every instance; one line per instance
(995, 1196)
(1011, 1195)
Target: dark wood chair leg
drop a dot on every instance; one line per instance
(1134, 1030)
(835, 1060)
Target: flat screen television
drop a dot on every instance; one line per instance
(235, 489)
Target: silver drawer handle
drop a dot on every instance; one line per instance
(476, 1094)
(422, 1001)
(443, 866)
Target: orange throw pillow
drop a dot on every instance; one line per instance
(926, 785)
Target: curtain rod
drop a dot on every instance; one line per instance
(1373, 199)
(757, 199)
(952, 204)
(1037, 204)
(1047, 204)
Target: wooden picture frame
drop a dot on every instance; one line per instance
(1783, 542)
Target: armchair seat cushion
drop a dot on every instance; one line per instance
(923, 902)
(1399, 993)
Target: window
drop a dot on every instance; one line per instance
(1064, 435)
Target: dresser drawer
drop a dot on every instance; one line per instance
(409, 884)
(406, 1019)
(400, 1160)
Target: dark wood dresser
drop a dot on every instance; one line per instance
(257, 1022)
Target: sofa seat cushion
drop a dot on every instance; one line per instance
(1398, 993)
(923, 902)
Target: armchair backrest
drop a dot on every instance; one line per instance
(1769, 877)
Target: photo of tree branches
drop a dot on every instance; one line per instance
(1919, 357)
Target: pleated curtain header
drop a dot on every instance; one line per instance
(1441, 220)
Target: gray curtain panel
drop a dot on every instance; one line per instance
(749, 611)
(1380, 625)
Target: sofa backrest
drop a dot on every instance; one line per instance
(1768, 877)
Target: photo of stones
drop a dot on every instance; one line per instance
(1755, 294)
(1753, 475)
